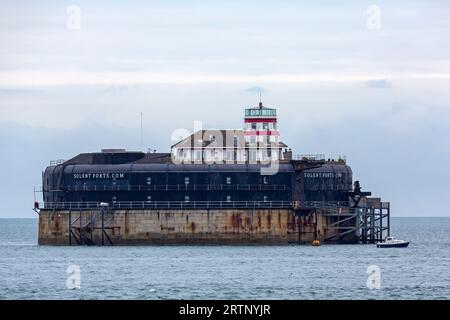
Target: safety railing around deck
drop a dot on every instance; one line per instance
(57, 162)
(189, 205)
(319, 157)
(207, 187)
(309, 157)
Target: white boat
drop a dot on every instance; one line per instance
(391, 242)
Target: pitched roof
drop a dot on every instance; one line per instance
(215, 138)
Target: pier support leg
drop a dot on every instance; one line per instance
(103, 227)
(70, 227)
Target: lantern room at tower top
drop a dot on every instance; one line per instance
(260, 125)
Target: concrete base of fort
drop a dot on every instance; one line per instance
(176, 227)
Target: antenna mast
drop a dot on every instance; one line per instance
(260, 100)
(142, 134)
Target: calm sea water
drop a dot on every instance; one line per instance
(421, 271)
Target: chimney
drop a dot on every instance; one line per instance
(287, 155)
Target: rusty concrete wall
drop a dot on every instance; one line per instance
(230, 226)
(53, 227)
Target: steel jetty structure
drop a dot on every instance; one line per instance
(214, 187)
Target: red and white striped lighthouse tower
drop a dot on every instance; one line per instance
(261, 125)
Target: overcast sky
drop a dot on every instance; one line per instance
(344, 82)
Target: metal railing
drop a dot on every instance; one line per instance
(339, 187)
(165, 205)
(319, 157)
(207, 187)
(191, 205)
(309, 157)
(57, 162)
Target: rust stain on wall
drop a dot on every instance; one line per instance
(248, 224)
(279, 220)
(235, 222)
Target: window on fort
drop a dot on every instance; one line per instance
(149, 198)
(228, 198)
(186, 198)
(186, 180)
(266, 198)
(114, 199)
(265, 180)
(228, 180)
(149, 180)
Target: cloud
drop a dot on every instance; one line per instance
(378, 84)
(12, 91)
(58, 78)
(256, 89)
(117, 89)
